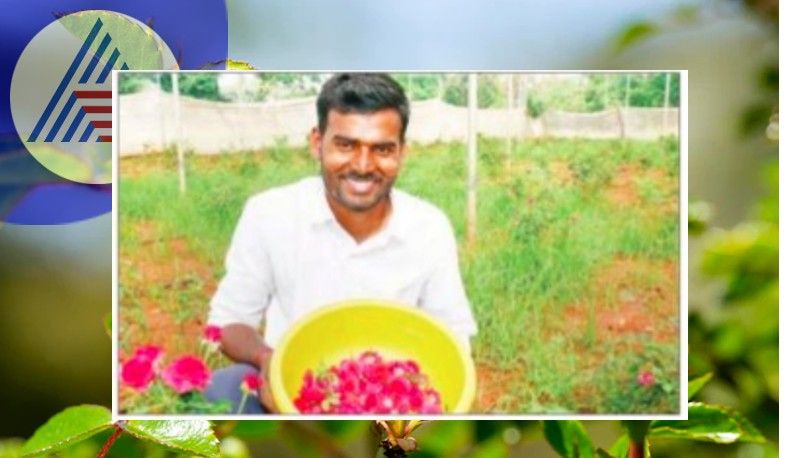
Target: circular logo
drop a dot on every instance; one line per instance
(61, 88)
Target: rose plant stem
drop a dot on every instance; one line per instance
(241, 403)
(111, 439)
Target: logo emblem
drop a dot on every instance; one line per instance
(61, 88)
(84, 91)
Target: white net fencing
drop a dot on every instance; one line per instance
(147, 123)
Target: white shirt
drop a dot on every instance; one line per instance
(289, 256)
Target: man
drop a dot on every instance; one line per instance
(347, 234)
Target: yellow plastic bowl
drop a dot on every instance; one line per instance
(396, 331)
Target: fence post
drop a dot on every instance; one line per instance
(627, 104)
(176, 99)
(666, 106)
(627, 90)
(162, 119)
(472, 158)
(509, 118)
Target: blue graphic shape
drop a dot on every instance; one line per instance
(61, 117)
(65, 81)
(95, 59)
(195, 32)
(74, 126)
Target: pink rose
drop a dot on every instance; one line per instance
(213, 334)
(646, 378)
(251, 383)
(151, 353)
(186, 373)
(368, 384)
(138, 373)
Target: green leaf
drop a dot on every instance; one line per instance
(697, 383)
(569, 439)
(107, 324)
(67, 427)
(193, 436)
(708, 423)
(700, 215)
(620, 447)
(634, 33)
(603, 454)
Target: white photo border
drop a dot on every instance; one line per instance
(683, 271)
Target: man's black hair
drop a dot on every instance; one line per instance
(361, 93)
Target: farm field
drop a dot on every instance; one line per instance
(573, 278)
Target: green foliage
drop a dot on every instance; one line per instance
(197, 85)
(561, 95)
(569, 439)
(71, 425)
(742, 338)
(490, 93)
(697, 383)
(455, 92)
(647, 90)
(76, 424)
(597, 92)
(708, 423)
(534, 106)
(700, 214)
(634, 33)
(420, 86)
(129, 83)
(189, 436)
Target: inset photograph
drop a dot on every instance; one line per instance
(414, 244)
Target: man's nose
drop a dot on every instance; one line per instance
(363, 159)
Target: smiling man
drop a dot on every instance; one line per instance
(347, 234)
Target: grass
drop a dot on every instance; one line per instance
(573, 278)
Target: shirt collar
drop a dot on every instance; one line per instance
(396, 227)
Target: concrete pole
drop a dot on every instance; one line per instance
(472, 159)
(509, 118)
(666, 105)
(176, 99)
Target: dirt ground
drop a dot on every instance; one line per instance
(158, 276)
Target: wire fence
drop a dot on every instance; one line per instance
(149, 123)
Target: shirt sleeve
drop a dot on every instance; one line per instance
(443, 294)
(244, 292)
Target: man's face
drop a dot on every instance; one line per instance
(360, 155)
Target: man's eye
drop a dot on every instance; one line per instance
(344, 145)
(384, 149)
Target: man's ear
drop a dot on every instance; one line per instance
(315, 143)
(403, 151)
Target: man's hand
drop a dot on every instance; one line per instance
(243, 343)
(266, 393)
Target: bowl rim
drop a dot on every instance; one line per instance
(284, 403)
